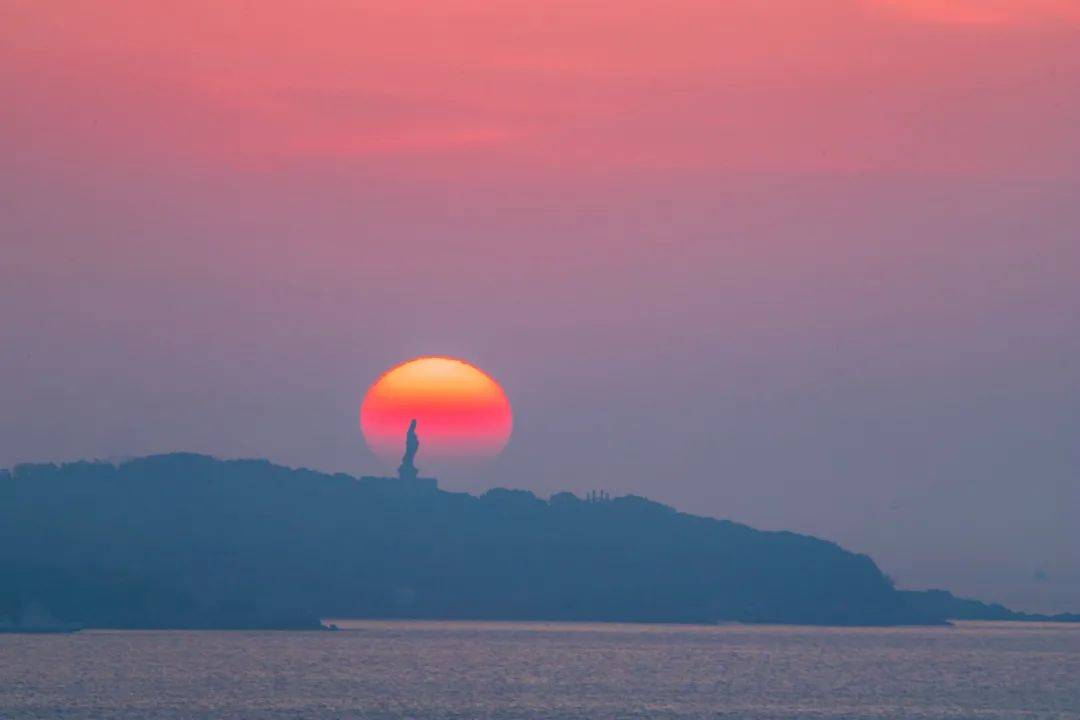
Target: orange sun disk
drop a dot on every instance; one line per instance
(462, 413)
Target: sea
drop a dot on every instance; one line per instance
(485, 670)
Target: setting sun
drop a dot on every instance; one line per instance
(461, 412)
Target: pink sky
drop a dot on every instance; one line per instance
(941, 86)
(807, 264)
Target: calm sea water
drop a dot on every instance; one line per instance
(522, 670)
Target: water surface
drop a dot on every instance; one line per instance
(446, 670)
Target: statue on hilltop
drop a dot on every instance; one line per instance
(407, 470)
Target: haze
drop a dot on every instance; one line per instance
(805, 264)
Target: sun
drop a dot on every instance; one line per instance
(462, 413)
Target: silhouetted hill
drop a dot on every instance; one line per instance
(945, 604)
(190, 541)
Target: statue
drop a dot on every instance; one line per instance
(407, 470)
(408, 482)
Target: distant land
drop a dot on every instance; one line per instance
(188, 541)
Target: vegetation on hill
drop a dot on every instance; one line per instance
(190, 541)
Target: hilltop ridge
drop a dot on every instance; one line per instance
(185, 540)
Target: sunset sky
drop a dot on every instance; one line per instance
(805, 264)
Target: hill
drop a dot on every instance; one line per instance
(190, 541)
(944, 604)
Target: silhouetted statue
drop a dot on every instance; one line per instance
(407, 470)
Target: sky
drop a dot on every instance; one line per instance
(804, 264)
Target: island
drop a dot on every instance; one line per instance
(189, 541)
